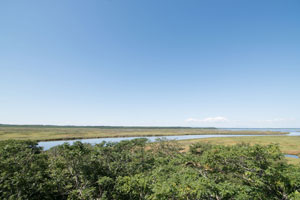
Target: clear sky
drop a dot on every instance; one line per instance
(232, 63)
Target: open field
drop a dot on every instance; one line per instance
(287, 144)
(47, 133)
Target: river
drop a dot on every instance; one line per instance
(49, 144)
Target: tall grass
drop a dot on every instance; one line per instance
(45, 133)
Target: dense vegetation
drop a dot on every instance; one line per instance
(46, 133)
(139, 170)
(287, 144)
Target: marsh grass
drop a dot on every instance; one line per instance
(287, 144)
(48, 133)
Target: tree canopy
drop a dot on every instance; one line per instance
(139, 170)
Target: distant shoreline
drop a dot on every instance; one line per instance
(56, 133)
(91, 126)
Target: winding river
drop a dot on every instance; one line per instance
(49, 144)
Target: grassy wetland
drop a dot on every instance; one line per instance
(50, 133)
(287, 144)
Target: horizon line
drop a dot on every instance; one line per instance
(142, 126)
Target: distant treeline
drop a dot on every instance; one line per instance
(104, 127)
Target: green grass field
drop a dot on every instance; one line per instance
(287, 144)
(46, 133)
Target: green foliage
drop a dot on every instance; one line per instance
(23, 171)
(140, 170)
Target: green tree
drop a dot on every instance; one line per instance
(23, 171)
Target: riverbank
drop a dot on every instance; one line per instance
(287, 144)
(51, 133)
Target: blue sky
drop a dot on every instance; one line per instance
(150, 62)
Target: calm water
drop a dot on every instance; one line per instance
(264, 129)
(49, 144)
(291, 156)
